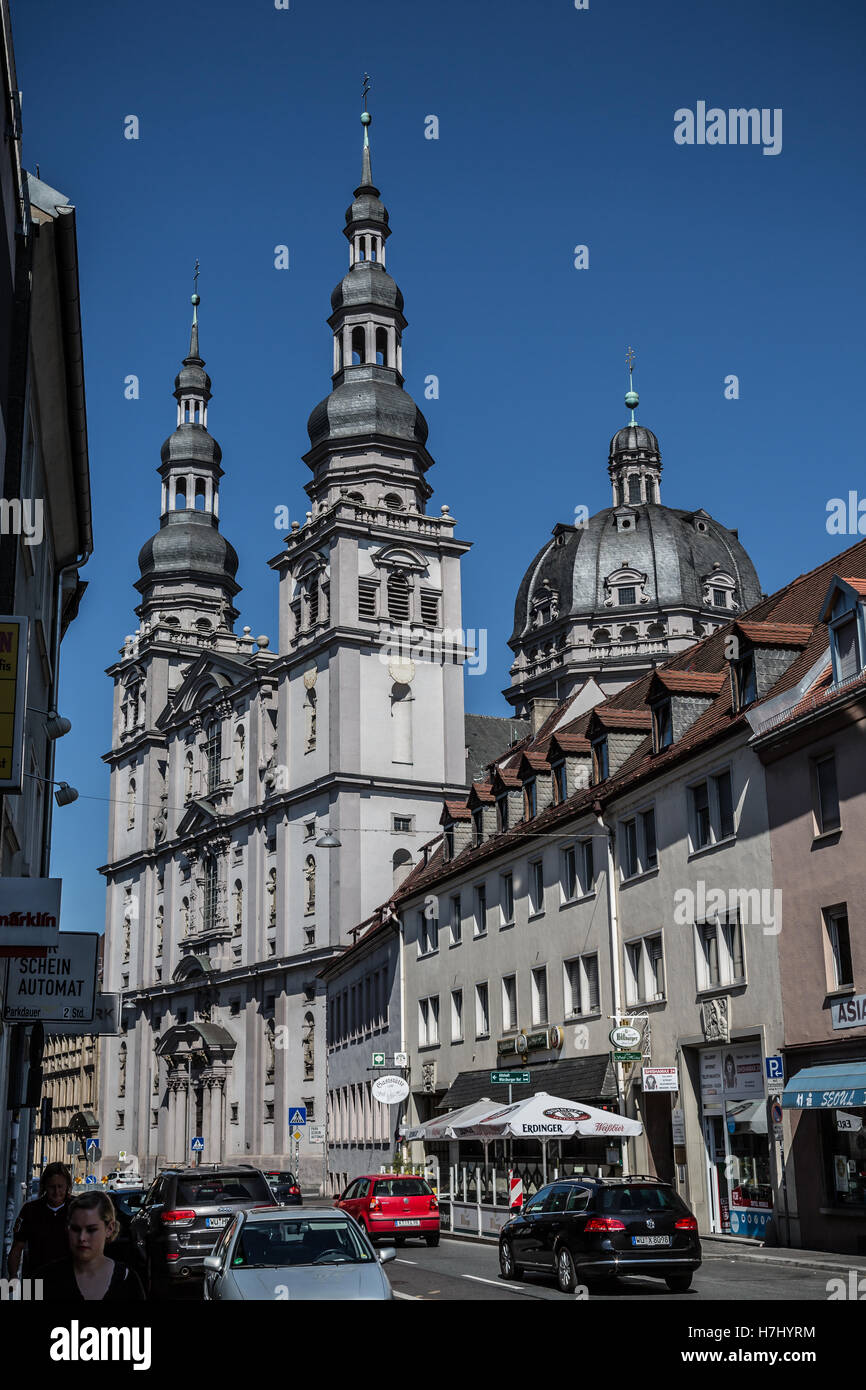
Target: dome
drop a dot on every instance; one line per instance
(676, 550)
(188, 541)
(365, 404)
(367, 207)
(191, 443)
(636, 440)
(367, 283)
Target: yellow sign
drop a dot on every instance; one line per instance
(297, 1134)
(13, 678)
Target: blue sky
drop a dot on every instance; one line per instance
(556, 129)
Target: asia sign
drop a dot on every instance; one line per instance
(850, 1012)
(29, 913)
(61, 988)
(13, 698)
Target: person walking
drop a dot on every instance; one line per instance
(86, 1274)
(39, 1234)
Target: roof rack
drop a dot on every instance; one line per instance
(633, 1177)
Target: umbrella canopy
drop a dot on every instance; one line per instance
(547, 1117)
(440, 1127)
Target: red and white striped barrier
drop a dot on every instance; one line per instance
(515, 1192)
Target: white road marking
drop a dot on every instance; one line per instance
(415, 1297)
(500, 1284)
(405, 1262)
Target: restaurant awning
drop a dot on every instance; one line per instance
(836, 1086)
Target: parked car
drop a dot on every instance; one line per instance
(122, 1180)
(320, 1255)
(126, 1204)
(285, 1188)
(591, 1229)
(393, 1204)
(185, 1213)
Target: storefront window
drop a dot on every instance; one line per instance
(844, 1148)
(734, 1113)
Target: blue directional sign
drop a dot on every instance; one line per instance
(90, 1178)
(197, 1144)
(774, 1068)
(91, 1145)
(297, 1116)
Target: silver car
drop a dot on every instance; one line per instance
(282, 1254)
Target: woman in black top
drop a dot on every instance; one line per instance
(87, 1274)
(40, 1230)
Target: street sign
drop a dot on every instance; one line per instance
(197, 1144)
(121, 1154)
(510, 1078)
(776, 1110)
(774, 1068)
(316, 1134)
(105, 1022)
(378, 1059)
(297, 1134)
(627, 1056)
(61, 988)
(92, 1144)
(297, 1116)
(29, 907)
(90, 1178)
(401, 1059)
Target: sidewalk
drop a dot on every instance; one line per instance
(730, 1248)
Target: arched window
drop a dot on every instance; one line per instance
(382, 346)
(213, 751)
(180, 495)
(401, 723)
(401, 863)
(359, 346)
(393, 501)
(655, 632)
(362, 250)
(356, 496)
(628, 634)
(634, 488)
(130, 803)
(601, 637)
(398, 597)
(200, 494)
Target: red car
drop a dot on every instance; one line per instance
(393, 1204)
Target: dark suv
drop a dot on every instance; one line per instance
(285, 1187)
(592, 1229)
(186, 1211)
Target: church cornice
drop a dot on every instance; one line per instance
(396, 527)
(260, 970)
(141, 743)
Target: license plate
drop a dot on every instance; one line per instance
(650, 1240)
(216, 1221)
(407, 1223)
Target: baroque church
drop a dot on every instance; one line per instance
(264, 802)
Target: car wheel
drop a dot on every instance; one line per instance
(432, 1239)
(507, 1263)
(566, 1274)
(678, 1283)
(400, 1240)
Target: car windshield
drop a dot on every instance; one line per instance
(401, 1187)
(280, 1244)
(639, 1198)
(219, 1191)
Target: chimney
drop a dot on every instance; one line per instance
(538, 711)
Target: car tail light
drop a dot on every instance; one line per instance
(375, 1205)
(688, 1223)
(434, 1205)
(177, 1218)
(170, 1256)
(604, 1223)
(295, 1191)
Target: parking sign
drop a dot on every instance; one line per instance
(774, 1068)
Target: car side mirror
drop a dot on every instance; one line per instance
(212, 1262)
(389, 1253)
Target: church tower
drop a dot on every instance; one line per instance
(371, 638)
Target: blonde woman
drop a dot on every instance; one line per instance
(87, 1274)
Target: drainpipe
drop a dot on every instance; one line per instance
(613, 938)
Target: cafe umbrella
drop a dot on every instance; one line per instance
(440, 1126)
(545, 1117)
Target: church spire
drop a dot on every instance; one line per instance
(634, 462)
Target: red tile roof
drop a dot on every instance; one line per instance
(690, 682)
(638, 719)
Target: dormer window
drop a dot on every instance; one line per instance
(449, 840)
(478, 823)
(627, 595)
(529, 799)
(600, 760)
(720, 598)
(663, 734)
(847, 657)
(502, 812)
(743, 678)
(557, 777)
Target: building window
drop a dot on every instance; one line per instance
(536, 886)
(428, 934)
(448, 833)
(233, 1112)
(428, 1021)
(529, 799)
(480, 909)
(836, 924)
(482, 1011)
(581, 986)
(847, 658)
(628, 594)
(457, 1015)
(720, 598)
(506, 899)
(401, 824)
(120, 1122)
(209, 899)
(429, 608)
(826, 795)
(456, 920)
(578, 871)
(712, 811)
(478, 824)
(539, 995)
(663, 735)
(368, 597)
(398, 597)
(509, 1003)
(557, 782)
(600, 760)
(213, 754)
(502, 812)
(720, 959)
(744, 682)
(645, 981)
(637, 840)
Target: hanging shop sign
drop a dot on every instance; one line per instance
(13, 700)
(660, 1079)
(625, 1038)
(850, 1012)
(390, 1090)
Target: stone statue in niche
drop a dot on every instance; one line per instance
(310, 877)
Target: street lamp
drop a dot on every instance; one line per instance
(329, 840)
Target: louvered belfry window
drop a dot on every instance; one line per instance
(398, 597)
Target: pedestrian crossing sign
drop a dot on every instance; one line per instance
(297, 1116)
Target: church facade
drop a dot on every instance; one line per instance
(262, 800)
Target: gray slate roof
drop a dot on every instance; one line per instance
(589, 1079)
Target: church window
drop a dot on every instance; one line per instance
(362, 249)
(382, 346)
(601, 637)
(634, 488)
(368, 591)
(720, 598)
(359, 347)
(213, 754)
(398, 597)
(628, 634)
(393, 501)
(209, 899)
(655, 631)
(401, 723)
(356, 496)
(200, 494)
(180, 495)
(312, 597)
(429, 608)
(627, 595)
